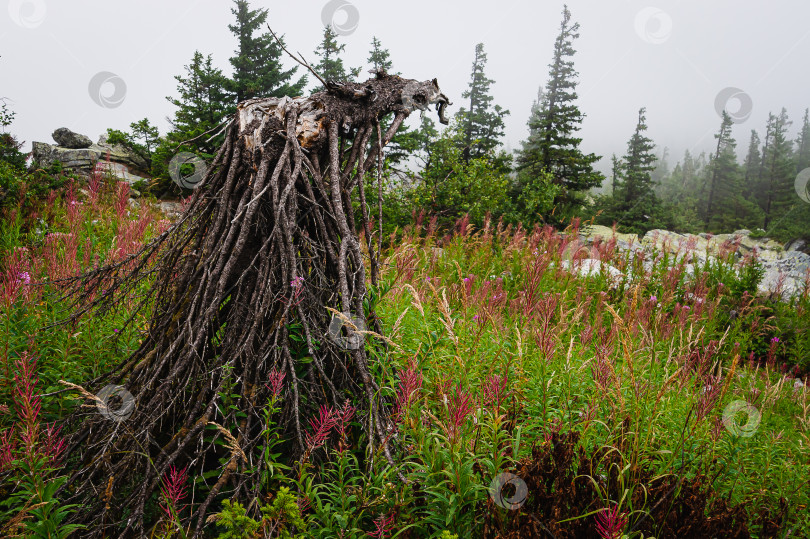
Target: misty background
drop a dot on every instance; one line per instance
(672, 57)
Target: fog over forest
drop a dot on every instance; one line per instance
(675, 58)
(424, 269)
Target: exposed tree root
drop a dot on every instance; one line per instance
(242, 284)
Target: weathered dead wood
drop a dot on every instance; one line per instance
(241, 288)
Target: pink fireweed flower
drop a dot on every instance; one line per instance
(410, 382)
(610, 523)
(276, 379)
(772, 351)
(344, 416)
(174, 490)
(73, 208)
(297, 286)
(468, 284)
(495, 391)
(587, 335)
(53, 445)
(8, 446)
(384, 525)
(327, 418)
(14, 279)
(602, 370)
(96, 182)
(708, 397)
(122, 201)
(27, 403)
(459, 407)
(37, 440)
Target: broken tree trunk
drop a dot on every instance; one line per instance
(243, 287)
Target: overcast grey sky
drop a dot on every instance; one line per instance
(674, 57)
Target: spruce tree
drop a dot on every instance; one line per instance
(482, 124)
(330, 65)
(752, 165)
(257, 69)
(615, 167)
(202, 104)
(780, 170)
(637, 205)
(661, 168)
(552, 145)
(380, 58)
(803, 144)
(720, 169)
(727, 208)
(760, 192)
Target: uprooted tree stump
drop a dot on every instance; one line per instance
(243, 287)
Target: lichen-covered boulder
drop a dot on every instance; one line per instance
(66, 138)
(82, 160)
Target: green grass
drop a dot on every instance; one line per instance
(501, 361)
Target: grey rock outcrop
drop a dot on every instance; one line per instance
(123, 162)
(66, 138)
(786, 267)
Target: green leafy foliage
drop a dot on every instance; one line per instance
(237, 524)
(451, 186)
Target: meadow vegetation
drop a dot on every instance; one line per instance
(661, 404)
